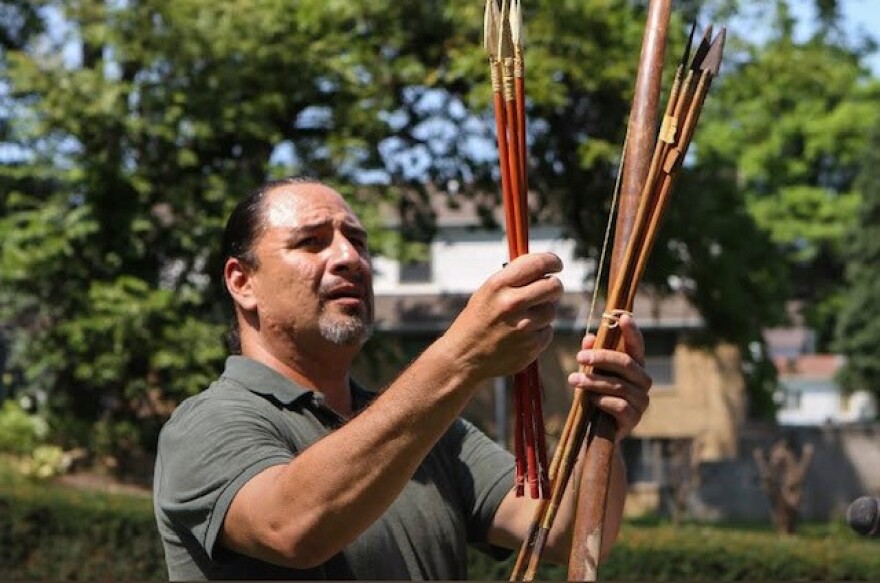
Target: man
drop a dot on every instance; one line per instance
(286, 468)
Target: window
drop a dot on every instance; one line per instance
(656, 460)
(793, 399)
(418, 271)
(417, 230)
(644, 459)
(659, 356)
(661, 370)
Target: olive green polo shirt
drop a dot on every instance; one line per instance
(253, 418)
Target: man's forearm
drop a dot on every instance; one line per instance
(324, 498)
(302, 513)
(516, 514)
(559, 547)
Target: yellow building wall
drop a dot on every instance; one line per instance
(707, 401)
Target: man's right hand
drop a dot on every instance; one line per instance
(507, 322)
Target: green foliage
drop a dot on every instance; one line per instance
(712, 553)
(44, 462)
(136, 126)
(58, 534)
(20, 432)
(858, 328)
(129, 157)
(789, 121)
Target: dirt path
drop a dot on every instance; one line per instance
(103, 483)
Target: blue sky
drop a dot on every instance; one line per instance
(860, 17)
(865, 15)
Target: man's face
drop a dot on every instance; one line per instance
(314, 275)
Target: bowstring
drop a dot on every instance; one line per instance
(611, 215)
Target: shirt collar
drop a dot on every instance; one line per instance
(264, 380)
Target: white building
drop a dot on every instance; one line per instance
(809, 394)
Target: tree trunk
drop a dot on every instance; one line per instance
(782, 477)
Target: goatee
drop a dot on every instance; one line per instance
(346, 330)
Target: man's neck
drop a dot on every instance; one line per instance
(325, 371)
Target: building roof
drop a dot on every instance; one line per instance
(451, 209)
(789, 342)
(809, 366)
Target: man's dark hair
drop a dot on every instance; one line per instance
(243, 227)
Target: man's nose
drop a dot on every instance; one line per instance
(343, 254)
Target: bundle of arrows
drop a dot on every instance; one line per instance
(666, 151)
(503, 43)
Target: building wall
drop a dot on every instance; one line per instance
(845, 465)
(462, 258)
(706, 401)
(810, 402)
(819, 401)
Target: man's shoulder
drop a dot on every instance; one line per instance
(217, 395)
(225, 402)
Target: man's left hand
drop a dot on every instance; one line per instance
(618, 384)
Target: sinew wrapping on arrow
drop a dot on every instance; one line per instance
(503, 43)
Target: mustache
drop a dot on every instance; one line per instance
(353, 286)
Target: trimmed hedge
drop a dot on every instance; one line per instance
(655, 551)
(702, 553)
(53, 533)
(61, 534)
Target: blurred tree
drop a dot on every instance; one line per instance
(135, 127)
(783, 469)
(800, 114)
(858, 328)
(131, 128)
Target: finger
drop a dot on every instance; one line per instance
(625, 416)
(527, 269)
(538, 342)
(519, 299)
(636, 396)
(616, 363)
(588, 341)
(546, 290)
(633, 341)
(539, 316)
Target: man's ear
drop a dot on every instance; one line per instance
(238, 279)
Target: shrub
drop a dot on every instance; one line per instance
(61, 534)
(46, 461)
(20, 432)
(662, 552)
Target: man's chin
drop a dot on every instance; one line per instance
(348, 332)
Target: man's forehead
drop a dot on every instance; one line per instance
(306, 204)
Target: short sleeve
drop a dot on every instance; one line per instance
(487, 471)
(209, 449)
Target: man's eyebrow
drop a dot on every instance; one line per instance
(355, 229)
(348, 227)
(309, 226)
